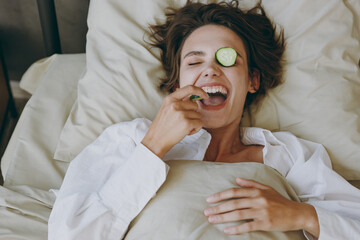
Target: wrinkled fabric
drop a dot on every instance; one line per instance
(111, 180)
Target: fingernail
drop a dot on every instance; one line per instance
(210, 199)
(207, 212)
(228, 231)
(212, 219)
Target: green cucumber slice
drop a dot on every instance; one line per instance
(226, 56)
(195, 98)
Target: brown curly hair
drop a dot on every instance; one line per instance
(264, 48)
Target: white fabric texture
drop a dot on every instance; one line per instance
(122, 175)
(31, 79)
(25, 202)
(318, 100)
(29, 156)
(35, 74)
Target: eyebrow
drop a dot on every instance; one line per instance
(196, 53)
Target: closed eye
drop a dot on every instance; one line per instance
(195, 63)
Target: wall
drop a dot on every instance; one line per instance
(21, 36)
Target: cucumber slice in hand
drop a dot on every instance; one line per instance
(226, 56)
(195, 98)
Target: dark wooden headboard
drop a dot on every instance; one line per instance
(49, 26)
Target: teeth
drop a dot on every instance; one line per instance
(215, 89)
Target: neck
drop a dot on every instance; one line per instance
(224, 141)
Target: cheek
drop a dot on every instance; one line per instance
(240, 80)
(185, 78)
(181, 79)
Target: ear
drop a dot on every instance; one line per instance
(254, 82)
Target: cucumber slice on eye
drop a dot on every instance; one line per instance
(226, 56)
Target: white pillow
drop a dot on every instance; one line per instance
(318, 100)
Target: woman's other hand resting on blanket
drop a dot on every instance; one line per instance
(176, 110)
(263, 208)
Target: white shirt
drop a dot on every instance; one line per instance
(104, 188)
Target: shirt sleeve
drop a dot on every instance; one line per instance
(309, 172)
(105, 188)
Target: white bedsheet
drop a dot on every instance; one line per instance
(43, 117)
(25, 202)
(29, 82)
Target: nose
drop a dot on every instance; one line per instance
(211, 71)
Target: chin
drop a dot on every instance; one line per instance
(220, 120)
(213, 123)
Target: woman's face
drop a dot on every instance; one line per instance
(199, 67)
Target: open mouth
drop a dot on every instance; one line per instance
(217, 95)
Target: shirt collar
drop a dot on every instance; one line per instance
(192, 147)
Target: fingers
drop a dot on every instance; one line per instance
(250, 188)
(251, 216)
(179, 100)
(194, 125)
(229, 206)
(233, 193)
(250, 184)
(244, 228)
(191, 115)
(182, 105)
(238, 215)
(267, 209)
(187, 91)
(176, 118)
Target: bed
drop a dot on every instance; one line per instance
(76, 96)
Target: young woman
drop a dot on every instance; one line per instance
(228, 59)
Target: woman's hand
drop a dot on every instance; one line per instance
(263, 208)
(178, 116)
